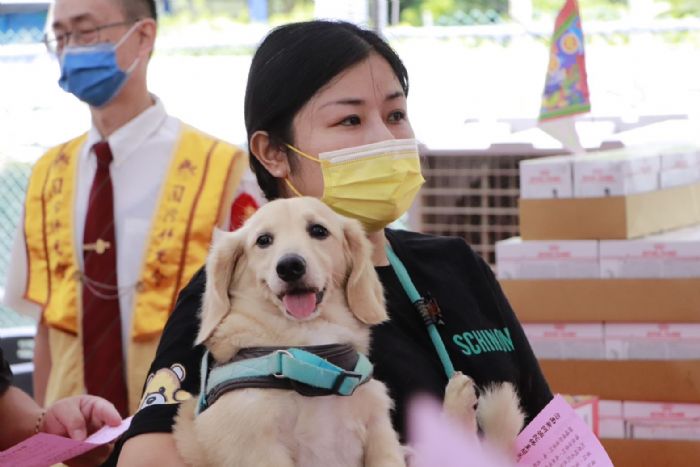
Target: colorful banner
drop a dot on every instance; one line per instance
(566, 86)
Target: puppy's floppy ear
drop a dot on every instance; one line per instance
(221, 263)
(363, 289)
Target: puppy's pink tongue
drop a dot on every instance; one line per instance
(300, 305)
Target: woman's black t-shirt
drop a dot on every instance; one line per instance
(480, 331)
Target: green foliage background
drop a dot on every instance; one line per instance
(443, 12)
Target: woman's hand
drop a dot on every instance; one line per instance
(77, 417)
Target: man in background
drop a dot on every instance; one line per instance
(116, 220)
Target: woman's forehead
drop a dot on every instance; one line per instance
(372, 78)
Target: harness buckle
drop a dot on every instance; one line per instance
(279, 353)
(340, 379)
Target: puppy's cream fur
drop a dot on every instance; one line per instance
(496, 410)
(242, 307)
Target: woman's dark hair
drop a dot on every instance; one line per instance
(293, 63)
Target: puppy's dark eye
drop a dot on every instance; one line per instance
(264, 240)
(318, 231)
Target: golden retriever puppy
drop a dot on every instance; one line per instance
(295, 275)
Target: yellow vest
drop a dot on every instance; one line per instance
(202, 172)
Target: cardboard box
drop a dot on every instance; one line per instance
(586, 407)
(679, 177)
(684, 234)
(618, 172)
(648, 420)
(571, 259)
(547, 177)
(616, 217)
(663, 257)
(676, 430)
(611, 423)
(656, 453)
(633, 410)
(566, 340)
(610, 300)
(639, 380)
(679, 341)
(673, 254)
(679, 157)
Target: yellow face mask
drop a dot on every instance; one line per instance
(375, 183)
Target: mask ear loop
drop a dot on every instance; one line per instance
(126, 36)
(303, 154)
(133, 66)
(291, 187)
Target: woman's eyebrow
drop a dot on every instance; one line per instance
(347, 101)
(357, 101)
(394, 95)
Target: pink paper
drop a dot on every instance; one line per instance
(42, 449)
(107, 434)
(559, 437)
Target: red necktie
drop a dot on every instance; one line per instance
(102, 341)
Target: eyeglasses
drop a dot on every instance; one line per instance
(55, 42)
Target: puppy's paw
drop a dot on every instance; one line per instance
(461, 401)
(460, 392)
(500, 415)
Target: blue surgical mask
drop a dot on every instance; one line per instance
(91, 73)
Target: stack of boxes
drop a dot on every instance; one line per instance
(606, 281)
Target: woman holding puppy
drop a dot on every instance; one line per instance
(326, 116)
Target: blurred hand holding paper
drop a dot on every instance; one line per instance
(43, 449)
(438, 441)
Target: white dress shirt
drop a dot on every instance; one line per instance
(142, 150)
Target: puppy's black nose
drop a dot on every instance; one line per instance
(291, 267)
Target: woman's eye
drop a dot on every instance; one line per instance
(318, 231)
(397, 116)
(264, 240)
(350, 121)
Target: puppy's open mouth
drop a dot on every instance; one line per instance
(301, 303)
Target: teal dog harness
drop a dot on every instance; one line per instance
(311, 371)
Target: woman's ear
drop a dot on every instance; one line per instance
(271, 156)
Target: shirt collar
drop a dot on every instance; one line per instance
(132, 135)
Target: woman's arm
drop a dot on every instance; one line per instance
(150, 449)
(18, 417)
